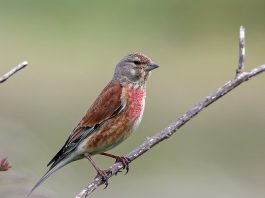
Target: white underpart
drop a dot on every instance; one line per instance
(81, 149)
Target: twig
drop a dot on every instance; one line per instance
(173, 127)
(13, 71)
(242, 51)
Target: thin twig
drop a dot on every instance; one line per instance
(242, 51)
(178, 123)
(13, 71)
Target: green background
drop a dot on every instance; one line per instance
(72, 48)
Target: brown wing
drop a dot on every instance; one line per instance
(107, 105)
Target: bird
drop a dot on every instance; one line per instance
(114, 115)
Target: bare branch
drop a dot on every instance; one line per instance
(13, 71)
(242, 52)
(179, 122)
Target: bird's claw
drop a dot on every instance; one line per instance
(104, 177)
(124, 161)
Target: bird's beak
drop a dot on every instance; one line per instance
(151, 66)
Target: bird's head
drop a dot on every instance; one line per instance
(134, 69)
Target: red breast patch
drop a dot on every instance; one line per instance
(136, 97)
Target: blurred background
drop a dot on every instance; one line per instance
(72, 48)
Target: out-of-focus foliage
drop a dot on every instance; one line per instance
(72, 48)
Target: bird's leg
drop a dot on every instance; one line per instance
(124, 160)
(100, 172)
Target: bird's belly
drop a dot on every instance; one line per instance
(107, 137)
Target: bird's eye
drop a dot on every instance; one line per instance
(137, 62)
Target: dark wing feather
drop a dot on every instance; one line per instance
(107, 105)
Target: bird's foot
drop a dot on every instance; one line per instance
(124, 161)
(103, 174)
(104, 177)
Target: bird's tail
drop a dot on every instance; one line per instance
(56, 166)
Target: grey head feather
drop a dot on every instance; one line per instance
(133, 69)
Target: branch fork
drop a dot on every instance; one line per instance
(240, 77)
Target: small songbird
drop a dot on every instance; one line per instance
(114, 115)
